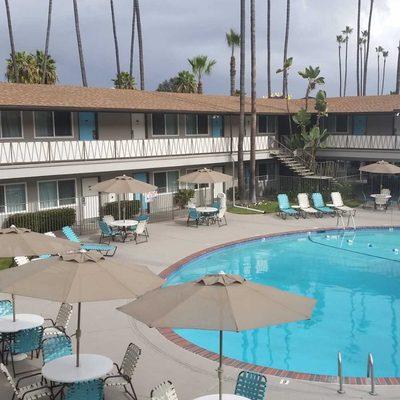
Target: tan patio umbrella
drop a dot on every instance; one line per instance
(78, 277)
(382, 168)
(220, 302)
(205, 175)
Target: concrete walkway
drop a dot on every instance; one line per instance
(107, 331)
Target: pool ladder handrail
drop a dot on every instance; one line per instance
(371, 374)
(340, 373)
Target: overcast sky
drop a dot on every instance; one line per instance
(177, 29)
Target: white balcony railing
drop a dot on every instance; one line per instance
(363, 142)
(61, 151)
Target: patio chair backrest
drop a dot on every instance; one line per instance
(105, 228)
(283, 201)
(56, 347)
(108, 219)
(251, 385)
(318, 200)
(9, 378)
(130, 359)
(27, 340)
(193, 214)
(64, 315)
(221, 213)
(21, 260)
(303, 200)
(70, 234)
(337, 199)
(164, 391)
(143, 217)
(6, 308)
(216, 205)
(385, 192)
(140, 227)
(93, 390)
(381, 200)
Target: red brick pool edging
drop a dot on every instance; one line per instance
(185, 344)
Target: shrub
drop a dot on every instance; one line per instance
(132, 208)
(43, 221)
(182, 197)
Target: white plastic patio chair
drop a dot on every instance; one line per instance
(221, 217)
(381, 202)
(385, 192)
(141, 231)
(59, 326)
(164, 391)
(305, 207)
(339, 205)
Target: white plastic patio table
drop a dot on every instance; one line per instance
(206, 210)
(64, 370)
(386, 196)
(225, 396)
(22, 321)
(124, 223)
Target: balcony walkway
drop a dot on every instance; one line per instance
(107, 331)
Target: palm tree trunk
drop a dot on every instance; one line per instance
(285, 49)
(12, 44)
(132, 39)
(358, 44)
(379, 71)
(383, 75)
(345, 67)
(46, 46)
(199, 86)
(340, 71)
(253, 131)
(361, 69)
(368, 46)
(115, 38)
(398, 71)
(233, 72)
(242, 97)
(140, 41)
(269, 47)
(79, 41)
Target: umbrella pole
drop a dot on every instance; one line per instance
(119, 207)
(220, 370)
(78, 334)
(13, 306)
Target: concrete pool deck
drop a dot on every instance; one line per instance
(108, 332)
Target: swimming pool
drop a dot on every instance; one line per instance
(355, 278)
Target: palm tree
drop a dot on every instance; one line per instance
(140, 41)
(364, 35)
(27, 71)
(124, 80)
(398, 70)
(340, 40)
(361, 45)
(47, 76)
(132, 38)
(46, 46)
(253, 130)
(269, 48)
(115, 38)
(201, 65)
(185, 82)
(385, 55)
(12, 44)
(79, 41)
(233, 41)
(368, 46)
(313, 79)
(285, 68)
(285, 49)
(358, 43)
(347, 32)
(379, 50)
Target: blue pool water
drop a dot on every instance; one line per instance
(355, 278)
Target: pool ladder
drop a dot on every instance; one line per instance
(370, 373)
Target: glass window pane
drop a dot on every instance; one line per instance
(262, 123)
(48, 194)
(160, 180)
(15, 197)
(66, 192)
(11, 124)
(62, 123)
(191, 124)
(171, 123)
(202, 124)
(172, 181)
(43, 124)
(2, 200)
(341, 123)
(331, 123)
(271, 124)
(158, 124)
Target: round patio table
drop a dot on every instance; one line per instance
(123, 225)
(64, 370)
(206, 213)
(22, 321)
(386, 196)
(225, 396)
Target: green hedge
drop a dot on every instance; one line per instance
(132, 208)
(43, 221)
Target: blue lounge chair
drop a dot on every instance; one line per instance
(285, 209)
(105, 249)
(319, 204)
(251, 385)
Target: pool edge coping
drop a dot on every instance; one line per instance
(178, 340)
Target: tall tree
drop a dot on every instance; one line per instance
(132, 39)
(368, 47)
(358, 50)
(398, 70)
(12, 43)
(285, 68)
(385, 55)
(379, 50)
(340, 41)
(46, 45)
(114, 28)
(347, 32)
(48, 76)
(201, 65)
(364, 37)
(140, 42)
(253, 131)
(124, 80)
(285, 49)
(313, 79)
(233, 41)
(269, 89)
(360, 58)
(79, 42)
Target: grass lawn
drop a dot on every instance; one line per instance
(5, 263)
(267, 207)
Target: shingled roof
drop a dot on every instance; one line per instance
(24, 96)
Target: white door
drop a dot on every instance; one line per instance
(90, 198)
(218, 187)
(138, 126)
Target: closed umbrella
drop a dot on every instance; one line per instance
(220, 302)
(78, 277)
(381, 168)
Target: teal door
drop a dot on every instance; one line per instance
(217, 126)
(87, 126)
(359, 124)
(141, 176)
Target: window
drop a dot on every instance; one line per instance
(53, 124)
(12, 198)
(196, 124)
(166, 181)
(266, 170)
(337, 123)
(11, 124)
(165, 124)
(56, 193)
(266, 123)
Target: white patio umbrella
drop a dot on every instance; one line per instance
(220, 302)
(77, 277)
(381, 168)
